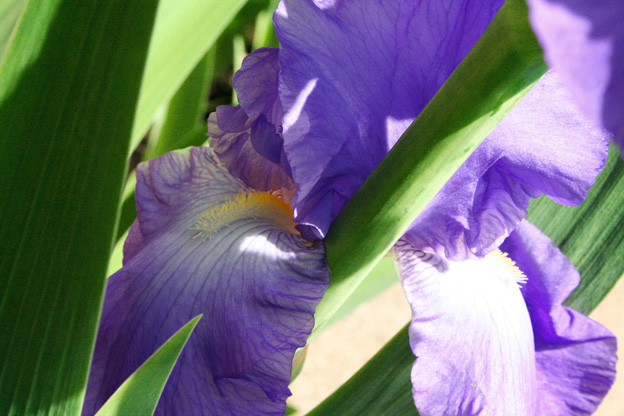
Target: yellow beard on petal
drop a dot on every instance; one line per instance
(502, 265)
(246, 205)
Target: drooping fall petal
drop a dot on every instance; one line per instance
(471, 334)
(206, 243)
(491, 336)
(575, 355)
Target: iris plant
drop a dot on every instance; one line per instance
(215, 233)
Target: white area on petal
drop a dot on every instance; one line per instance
(472, 335)
(260, 244)
(395, 129)
(293, 117)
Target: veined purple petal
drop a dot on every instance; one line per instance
(247, 138)
(584, 41)
(575, 355)
(201, 245)
(471, 335)
(256, 85)
(544, 146)
(354, 75)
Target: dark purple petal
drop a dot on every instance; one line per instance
(584, 41)
(265, 140)
(237, 153)
(354, 75)
(228, 119)
(256, 85)
(575, 355)
(471, 334)
(256, 283)
(544, 146)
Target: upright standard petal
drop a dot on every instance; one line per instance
(575, 355)
(206, 243)
(544, 146)
(584, 41)
(486, 346)
(353, 76)
(247, 138)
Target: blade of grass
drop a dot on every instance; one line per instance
(184, 32)
(186, 110)
(264, 33)
(10, 10)
(139, 394)
(239, 53)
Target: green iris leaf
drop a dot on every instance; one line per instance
(139, 394)
(71, 77)
(10, 11)
(184, 32)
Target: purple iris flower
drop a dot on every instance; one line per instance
(348, 79)
(584, 41)
(205, 243)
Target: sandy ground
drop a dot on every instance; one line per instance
(610, 313)
(374, 323)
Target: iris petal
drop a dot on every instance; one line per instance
(544, 146)
(484, 346)
(471, 335)
(576, 356)
(237, 152)
(584, 41)
(256, 283)
(256, 84)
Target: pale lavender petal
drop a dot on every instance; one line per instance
(256, 283)
(544, 146)
(471, 334)
(354, 75)
(575, 355)
(247, 138)
(584, 41)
